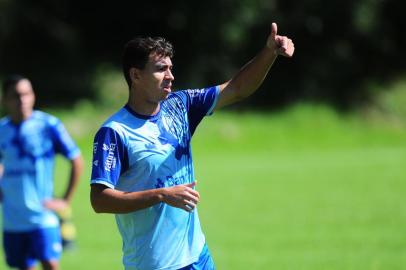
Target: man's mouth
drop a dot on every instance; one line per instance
(167, 88)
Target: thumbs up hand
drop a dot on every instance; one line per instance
(281, 45)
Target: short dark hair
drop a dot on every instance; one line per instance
(137, 51)
(11, 81)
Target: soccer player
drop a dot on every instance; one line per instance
(28, 143)
(142, 164)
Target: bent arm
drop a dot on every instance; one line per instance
(247, 80)
(74, 177)
(75, 172)
(251, 76)
(107, 200)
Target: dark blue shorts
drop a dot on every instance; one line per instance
(205, 261)
(24, 249)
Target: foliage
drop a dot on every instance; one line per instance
(341, 45)
(388, 103)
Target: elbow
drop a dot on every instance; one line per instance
(240, 95)
(97, 208)
(241, 92)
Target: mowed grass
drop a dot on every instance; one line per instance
(300, 189)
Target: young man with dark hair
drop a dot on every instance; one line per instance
(28, 143)
(142, 163)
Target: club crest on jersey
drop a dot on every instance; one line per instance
(106, 147)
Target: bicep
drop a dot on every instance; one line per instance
(227, 95)
(100, 196)
(77, 163)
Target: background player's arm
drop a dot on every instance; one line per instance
(250, 77)
(76, 171)
(107, 200)
(74, 177)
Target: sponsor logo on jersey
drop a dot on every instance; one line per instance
(170, 181)
(110, 162)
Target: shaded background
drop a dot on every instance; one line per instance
(342, 46)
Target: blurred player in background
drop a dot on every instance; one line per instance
(28, 143)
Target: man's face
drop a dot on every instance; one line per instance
(154, 82)
(19, 100)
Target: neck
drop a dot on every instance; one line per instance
(20, 116)
(143, 107)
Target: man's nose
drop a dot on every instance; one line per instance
(169, 75)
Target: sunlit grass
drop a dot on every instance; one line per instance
(306, 188)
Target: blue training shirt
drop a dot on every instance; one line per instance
(27, 153)
(133, 152)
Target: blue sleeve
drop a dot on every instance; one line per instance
(63, 143)
(199, 103)
(110, 158)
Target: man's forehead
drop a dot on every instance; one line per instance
(160, 59)
(23, 86)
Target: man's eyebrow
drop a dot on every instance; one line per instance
(163, 65)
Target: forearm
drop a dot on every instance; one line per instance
(107, 200)
(251, 76)
(248, 79)
(74, 177)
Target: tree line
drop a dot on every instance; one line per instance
(341, 46)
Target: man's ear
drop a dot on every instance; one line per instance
(134, 74)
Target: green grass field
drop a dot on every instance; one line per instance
(300, 189)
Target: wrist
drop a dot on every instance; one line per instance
(271, 51)
(161, 194)
(66, 199)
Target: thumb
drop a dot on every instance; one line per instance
(192, 184)
(274, 30)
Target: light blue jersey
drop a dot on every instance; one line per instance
(134, 153)
(27, 153)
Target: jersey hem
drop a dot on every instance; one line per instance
(74, 154)
(172, 267)
(103, 182)
(211, 110)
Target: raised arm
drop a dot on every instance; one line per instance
(107, 200)
(251, 76)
